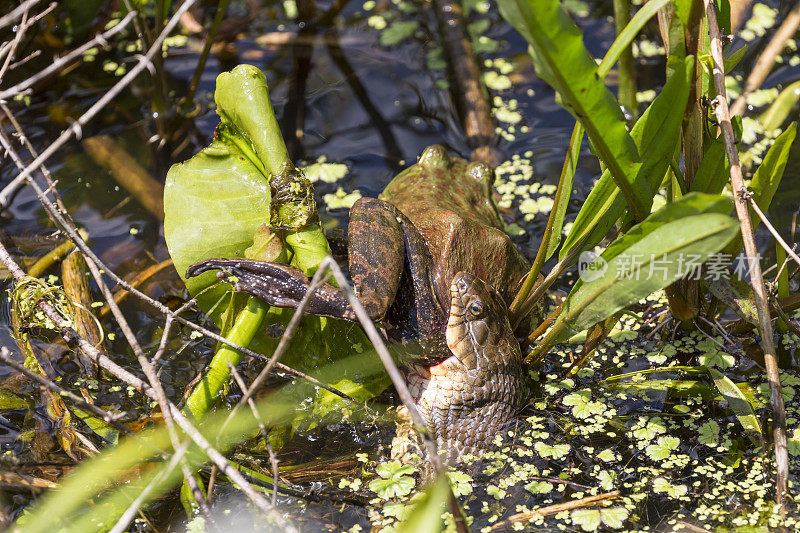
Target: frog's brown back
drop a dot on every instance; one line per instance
(449, 202)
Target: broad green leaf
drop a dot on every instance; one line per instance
(426, 517)
(776, 113)
(215, 205)
(709, 433)
(737, 402)
(737, 295)
(712, 174)
(588, 519)
(693, 226)
(555, 451)
(393, 480)
(767, 179)
(657, 133)
(563, 62)
(614, 517)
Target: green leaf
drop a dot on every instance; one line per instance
(709, 434)
(564, 63)
(213, 205)
(398, 31)
(587, 519)
(393, 481)
(693, 226)
(555, 451)
(656, 133)
(767, 179)
(614, 517)
(712, 174)
(737, 295)
(325, 172)
(628, 34)
(426, 517)
(737, 402)
(539, 487)
(779, 110)
(662, 448)
(460, 482)
(673, 491)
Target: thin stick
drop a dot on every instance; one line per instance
(155, 383)
(771, 228)
(102, 414)
(589, 501)
(272, 458)
(5, 20)
(59, 64)
(398, 382)
(766, 60)
(762, 305)
(75, 130)
(120, 373)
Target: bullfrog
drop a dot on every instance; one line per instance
(430, 262)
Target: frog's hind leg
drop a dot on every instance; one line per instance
(376, 253)
(375, 250)
(278, 285)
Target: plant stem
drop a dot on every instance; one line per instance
(247, 324)
(567, 173)
(222, 7)
(743, 211)
(626, 92)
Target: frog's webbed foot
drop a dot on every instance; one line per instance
(278, 285)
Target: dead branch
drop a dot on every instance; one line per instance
(766, 60)
(762, 305)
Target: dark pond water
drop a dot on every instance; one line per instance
(356, 101)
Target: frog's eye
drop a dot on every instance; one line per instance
(476, 309)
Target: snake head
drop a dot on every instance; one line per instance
(478, 331)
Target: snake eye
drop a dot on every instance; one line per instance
(476, 309)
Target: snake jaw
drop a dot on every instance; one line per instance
(470, 395)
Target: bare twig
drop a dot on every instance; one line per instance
(102, 414)
(589, 501)
(120, 373)
(59, 64)
(17, 12)
(789, 251)
(21, 31)
(766, 60)
(75, 130)
(762, 305)
(272, 458)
